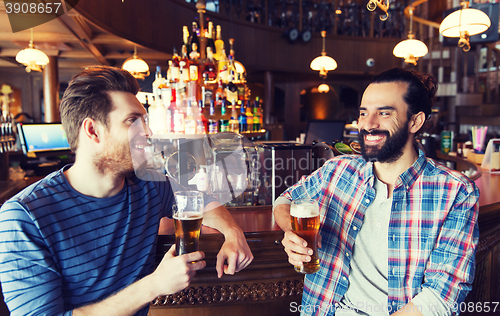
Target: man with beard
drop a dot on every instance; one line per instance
(82, 241)
(398, 231)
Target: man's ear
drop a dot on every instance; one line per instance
(416, 122)
(91, 130)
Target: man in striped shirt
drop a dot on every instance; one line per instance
(398, 231)
(82, 241)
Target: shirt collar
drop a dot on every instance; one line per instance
(407, 178)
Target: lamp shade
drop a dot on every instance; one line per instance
(136, 66)
(410, 47)
(472, 21)
(323, 88)
(32, 58)
(323, 62)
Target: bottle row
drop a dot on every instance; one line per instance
(192, 117)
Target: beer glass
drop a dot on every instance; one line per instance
(188, 215)
(305, 223)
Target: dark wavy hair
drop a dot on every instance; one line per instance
(87, 97)
(421, 92)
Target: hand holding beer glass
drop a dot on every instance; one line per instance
(188, 216)
(305, 223)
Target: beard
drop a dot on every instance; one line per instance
(114, 159)
(392, 148)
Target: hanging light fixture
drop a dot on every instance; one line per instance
(464, 23)
(410, 49)
(323, 88)
(32, 58)
(323, 63)
(136, 66)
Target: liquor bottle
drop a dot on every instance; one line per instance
(219, 93)
(175, 68)
(209, 69)
(256, 115)
(224, 118)
(171, 111)
(157, 117)
(223, 67)
(158, 81)
(209, 35)
(213, 122)
(193, 63)
(231, 88)
(234, 125)
(201, 120)
(193, 39)
(219, 44)
(178, 120)
(184, 65)
(189, 120)
(185, 36)
(249, 116)
(242, 118)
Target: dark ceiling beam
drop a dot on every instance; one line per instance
(82, 32)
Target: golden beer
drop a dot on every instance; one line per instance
(187, 232)
(305, 223)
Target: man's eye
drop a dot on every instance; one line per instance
(384, 113)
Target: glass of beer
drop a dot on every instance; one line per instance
(305, 223)
(188, 215)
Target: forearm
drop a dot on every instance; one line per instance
(220, 219)
(282, 217)
(126, 302)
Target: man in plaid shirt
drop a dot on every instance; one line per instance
(398, 231)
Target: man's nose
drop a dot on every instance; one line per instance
(371, 122)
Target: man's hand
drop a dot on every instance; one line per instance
(296, 248)
(175, 273)
(234, 255)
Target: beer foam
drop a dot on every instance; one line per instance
(304, 210)
(188, 216)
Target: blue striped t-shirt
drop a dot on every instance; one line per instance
(60, 249)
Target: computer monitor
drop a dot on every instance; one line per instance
(42, 140)
(324, 131)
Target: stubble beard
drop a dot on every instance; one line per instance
(114, 159)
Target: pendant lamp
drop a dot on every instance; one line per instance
(32, 58)
(136, 66)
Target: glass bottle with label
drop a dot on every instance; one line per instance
(242, 118)
(234, 125)
(189, 120)
(193, 63)
(224, 119)
(219, 43)
(256, 115)
(213, 122)
(249, 116)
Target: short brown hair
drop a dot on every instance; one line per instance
(87, 97)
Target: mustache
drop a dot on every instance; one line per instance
(364, 132)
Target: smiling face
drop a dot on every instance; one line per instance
(383, 123)
(126, 136)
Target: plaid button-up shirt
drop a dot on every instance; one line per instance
(432, 237)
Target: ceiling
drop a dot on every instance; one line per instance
(74, 40)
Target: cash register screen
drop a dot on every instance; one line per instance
(40, 139)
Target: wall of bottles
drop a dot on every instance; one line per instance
(203, 96)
